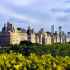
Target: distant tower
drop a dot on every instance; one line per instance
(42, 30)
(4, 29)
(52, 29)
(68, 34)
(65, 38)
(60, 33)
(43, 39)
(60, 28)
(41, 36)
(29, 31)
(52, 34)
(10, 27)
(56, 36)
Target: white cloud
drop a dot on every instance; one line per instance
(34, 7)
(19, 2)
(11, 14)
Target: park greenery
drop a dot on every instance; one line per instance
(28, 56)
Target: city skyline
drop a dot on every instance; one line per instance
(14, 35)
(51, 30)
(37, 13)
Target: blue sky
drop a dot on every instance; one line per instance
(36, 13)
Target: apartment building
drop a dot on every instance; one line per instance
(12, 35)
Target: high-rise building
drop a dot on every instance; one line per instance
(12, 35)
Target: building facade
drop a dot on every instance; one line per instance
(12, 35)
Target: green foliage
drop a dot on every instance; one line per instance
(35, 57)
(54, 49)
(17, 61)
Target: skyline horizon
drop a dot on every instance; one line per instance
(50, 30)
(37, 13)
